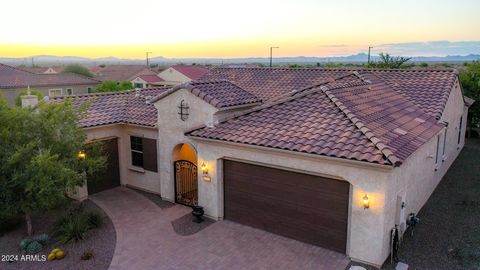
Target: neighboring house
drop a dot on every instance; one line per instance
(333, 158)
(44, 70)
(146, 81)
(178, 74)
(120, 73)
(14, 80)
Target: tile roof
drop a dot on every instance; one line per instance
(356, 116)
(218, 93)
(150, 78)
(427, 88)
(121, 72)
(131, 107)
(193, 72)
(11, 77)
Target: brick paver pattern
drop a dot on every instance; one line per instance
(146, 240)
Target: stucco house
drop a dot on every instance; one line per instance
(178, 74)
(333, 158)
(146, 81)
(14, 80)
(120, 73)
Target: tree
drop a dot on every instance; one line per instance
(38, 159)
(387, 61)
(113, 86)
(78, 69)
(470, 80)
(18, 99)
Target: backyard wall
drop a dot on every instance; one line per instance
(11, 94)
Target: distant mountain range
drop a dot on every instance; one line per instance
(360, 57)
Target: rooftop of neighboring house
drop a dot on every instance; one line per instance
(120, 72)
(41, 70)
(150, 78)
(193, 72)
(12, 77)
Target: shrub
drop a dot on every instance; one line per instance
(71, 228)
(41, 238)
(24, 243)
(87, 255)
(94, 219)
(34, 247)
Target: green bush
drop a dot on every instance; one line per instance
(41, 238)
(94, 218)
(34, 247)
(75, 225)
(24, 243)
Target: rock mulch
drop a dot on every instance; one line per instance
(101, 241)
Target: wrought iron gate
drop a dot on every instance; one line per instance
(186, 182)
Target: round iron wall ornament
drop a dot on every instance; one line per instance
(183, 110)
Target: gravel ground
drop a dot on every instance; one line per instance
(100, 240)
(185, 225)
(156, 199)
(448, 235)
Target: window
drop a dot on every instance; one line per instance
(138, 85)
(54, 92)
(69, 91)
(438, 146)
(460, 130)
(136, 146)
(444, 151)
(144, 153)
(89, 90)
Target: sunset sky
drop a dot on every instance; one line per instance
(220, 28)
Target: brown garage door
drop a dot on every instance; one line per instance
(307, 208)
(110, 176)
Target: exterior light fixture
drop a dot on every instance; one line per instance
(82, 155)
(204, 169)
(366, 202)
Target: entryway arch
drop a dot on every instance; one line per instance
(184, 159)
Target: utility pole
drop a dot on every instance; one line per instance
(146, 54)
(369, 47)
(271, 54)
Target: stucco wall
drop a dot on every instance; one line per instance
(170, 75)
(129, 175)
(11, 94)
(417, 178)
(172, 129)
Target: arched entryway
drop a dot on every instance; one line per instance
(184, 159)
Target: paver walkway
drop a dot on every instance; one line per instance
(146, 240)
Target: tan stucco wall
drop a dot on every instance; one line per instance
(417, 178)
(172, 132)
(172, 76)
(129, 175)
(11, 94)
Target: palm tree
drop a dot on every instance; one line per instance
(389, 62)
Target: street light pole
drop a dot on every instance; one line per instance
(369, 47)
(147, 53)
(271, 54)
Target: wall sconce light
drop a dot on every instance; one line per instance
(366, 202)
(82, 155)
(204, 169)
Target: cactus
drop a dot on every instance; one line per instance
(24, 243)
(41, 238)
(34, 247)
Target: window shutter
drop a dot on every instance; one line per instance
(150, 154)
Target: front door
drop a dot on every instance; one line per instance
(186, 183)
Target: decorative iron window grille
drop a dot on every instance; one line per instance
(183, 110)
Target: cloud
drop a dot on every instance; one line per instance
(430, 48)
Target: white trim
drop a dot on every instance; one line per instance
(55, 89)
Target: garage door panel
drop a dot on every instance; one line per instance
(308, 208)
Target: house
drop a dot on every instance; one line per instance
(44, 70)
(120, 73)
(146, 81)
(334, 158)
(177, 74)
(14, 80)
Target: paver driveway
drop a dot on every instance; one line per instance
(146, 240)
